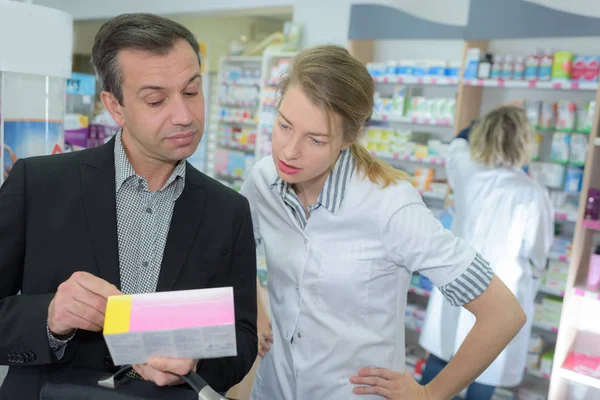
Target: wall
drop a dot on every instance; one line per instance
(328, 21)
(95, 10)
(216, 32)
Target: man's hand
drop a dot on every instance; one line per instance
(79, 303)
(390, 385)
(165, 371)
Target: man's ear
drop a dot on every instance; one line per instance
(114, 108)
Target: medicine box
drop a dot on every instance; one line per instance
(196, 324)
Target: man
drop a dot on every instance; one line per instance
(130, 216)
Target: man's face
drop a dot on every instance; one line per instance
(163, 105)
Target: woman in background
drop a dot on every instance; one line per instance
(509, 219)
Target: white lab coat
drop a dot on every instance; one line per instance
(509, 219)
(338, 287)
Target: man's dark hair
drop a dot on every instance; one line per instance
(147, 32)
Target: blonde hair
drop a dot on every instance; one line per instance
(337, 82)
(502, 138)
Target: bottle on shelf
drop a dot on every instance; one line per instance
(519, 69)
(496, 72)
(507, 68)
(484, 68)
(593, 277)
(592, 208)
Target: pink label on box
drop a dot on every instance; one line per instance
(149, 314)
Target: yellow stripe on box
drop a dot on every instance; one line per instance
(118, 313)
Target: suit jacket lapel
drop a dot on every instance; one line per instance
(99, 197)
(187, 216)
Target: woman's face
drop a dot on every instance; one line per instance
(304, 149)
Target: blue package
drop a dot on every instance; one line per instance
(545, 71)
(419, 70)
(531, 68)
(573, 180)
(375, 70)
(79, 83)
(453, 72)
(426, 283)
(407, 70)
(390, 69)
(436, 70)
(471, 69)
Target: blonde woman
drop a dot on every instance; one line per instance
(508, 218)
(343, 232)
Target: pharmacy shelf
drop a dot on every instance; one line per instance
(430, 160)
(538, 374)
(414, 329)
(579, 378)
(238, 103)
(419, 291)
(565, 215)
(551, 291)
(225, 176)
(552, 130)
(582, 292)
(545, 326)
(559, 257)
(591, 225)
(551, 85)
(244, 122)
(270, 104)
(237, 146)
(417, 80)
(414, 120)
(432, 195)
(242, 82)
(272, 82)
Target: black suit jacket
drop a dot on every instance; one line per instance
(58, 216)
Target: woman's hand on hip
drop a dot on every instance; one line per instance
(265, 340)
(389, 384)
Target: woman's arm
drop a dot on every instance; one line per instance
(499, 317)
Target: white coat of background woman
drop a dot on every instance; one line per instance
(509, 219)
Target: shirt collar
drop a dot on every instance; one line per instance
(335, 187)
(124, 170)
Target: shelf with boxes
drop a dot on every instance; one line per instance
(236, 119)
(416, 72)
(582, 363)
(399, 146)
(565, 86)
(540, 354)
(559, 70)
(274, 67)
(411, 107)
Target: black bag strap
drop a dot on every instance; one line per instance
(194, 381)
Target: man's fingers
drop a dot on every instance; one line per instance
(76, 322)
(140, 371)
(177, 366)
(86, 312)
(160, 378)
(96, 285)
(91, 299)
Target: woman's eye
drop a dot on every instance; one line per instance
(283, 126)
(317, 142)
(155, 103)
(191, 94)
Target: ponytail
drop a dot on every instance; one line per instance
(378, 171)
